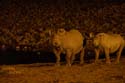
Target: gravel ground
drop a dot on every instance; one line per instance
(48, 73)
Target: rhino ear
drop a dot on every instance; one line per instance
(91, 35)
(51, 32)
(86, 35)
(61, 31)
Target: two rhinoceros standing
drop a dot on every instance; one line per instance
(72, 42)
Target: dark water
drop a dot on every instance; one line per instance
(19, 57)
(23, 57)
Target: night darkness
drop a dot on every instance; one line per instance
(23, 21)
(32, 30)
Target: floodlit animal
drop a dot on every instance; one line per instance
(69, 43)
(109, 43)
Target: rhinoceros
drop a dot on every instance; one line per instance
(108, 43)
(69, 43)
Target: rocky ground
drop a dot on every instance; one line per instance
(48, 73)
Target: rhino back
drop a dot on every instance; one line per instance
(72, 39)
(111, 41)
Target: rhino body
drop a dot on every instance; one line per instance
(108, 43)
(69, 43)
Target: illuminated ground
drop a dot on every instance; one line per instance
(48, 73)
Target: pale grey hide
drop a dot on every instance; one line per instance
(69, 43)
(109, 43)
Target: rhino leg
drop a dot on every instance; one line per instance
(97, 51)
(119, 54)
(82, 56)
(68, 57)
(57, 54)
(72, 58)
(107, 56)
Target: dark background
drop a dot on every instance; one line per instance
(26, 24)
